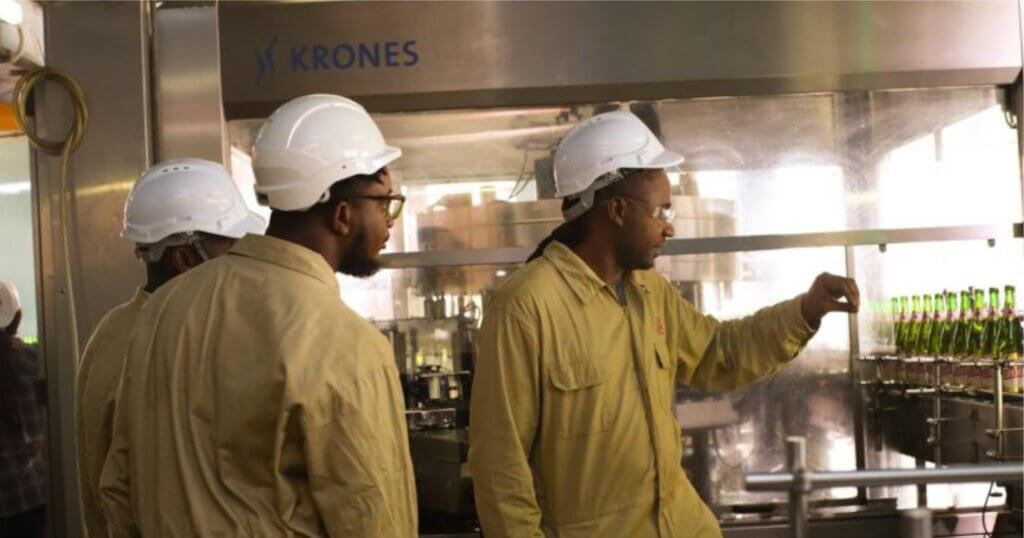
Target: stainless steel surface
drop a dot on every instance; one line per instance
(509, 255)
(879, 525)
(825, 239)
(430, 419)
(187, 84)
(492, 224)
(796, 462)
(442, 477)
(478, 54)
(1018, 106)
(859, 432)
(916, 523)
(499, 224)
(755, 135)
(889, 477)
(102, 45)
(457, 257)
(962, 429)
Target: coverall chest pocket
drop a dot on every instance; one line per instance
(579, 399)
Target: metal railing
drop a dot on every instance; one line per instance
(726, 244)
(800, 481)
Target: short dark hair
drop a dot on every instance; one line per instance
(572, 233)
(354, 185)
(341, 190)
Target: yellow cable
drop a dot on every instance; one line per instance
(22, 91)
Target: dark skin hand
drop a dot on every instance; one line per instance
(829, 293)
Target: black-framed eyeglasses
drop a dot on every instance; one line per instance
(392, 208)
(662, 214)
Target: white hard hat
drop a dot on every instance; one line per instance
(603, 145)
(187, 195)
(311, 143)
(9, 303)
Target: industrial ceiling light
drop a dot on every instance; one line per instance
(10, 11)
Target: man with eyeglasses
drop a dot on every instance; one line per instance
(572, 426)
(179, 214)
(254, 402)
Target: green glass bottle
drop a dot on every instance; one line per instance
(903, 326)
(962, 338)
(1011, 345)
(949, 326)
(977, 324)
(894, 316)
(915, 324)
(1011, 330)
(989, 343)
(938, 326)
(927, 323)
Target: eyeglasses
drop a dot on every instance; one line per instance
(392, 208)
(664, 215)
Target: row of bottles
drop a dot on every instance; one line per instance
(957, 344)
(935, 326)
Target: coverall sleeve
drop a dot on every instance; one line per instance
(718, 355)
(504, 415)
(350, 456)
(115, 479)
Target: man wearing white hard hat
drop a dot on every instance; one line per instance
(179, 214)
(572, 430)
(23, 470)
(255, 402)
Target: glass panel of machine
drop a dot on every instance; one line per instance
(729, 435)
(481, 178)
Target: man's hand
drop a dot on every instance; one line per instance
(824, 297)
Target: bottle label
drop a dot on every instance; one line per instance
(1013, 378)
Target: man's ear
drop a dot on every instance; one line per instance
(184, 257)
(616, 209)
(341, 218)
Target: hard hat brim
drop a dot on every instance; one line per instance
(667, 159)
(253, 223)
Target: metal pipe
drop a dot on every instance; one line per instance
(937, 415)
(916, 523)
(710, 245)
(888, 477)
(922, 489)
(799, 487)
(860, 429)
(997, 374)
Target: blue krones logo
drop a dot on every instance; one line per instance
(265, 61)
(340, 56)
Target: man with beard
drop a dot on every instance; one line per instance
(572, 427)
(254, 402)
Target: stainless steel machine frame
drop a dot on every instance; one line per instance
(799, 481)
(476, 55)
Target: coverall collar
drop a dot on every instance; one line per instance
(288, 255)
(580, 277)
